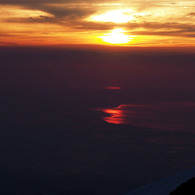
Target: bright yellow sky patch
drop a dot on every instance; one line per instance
(116, 16)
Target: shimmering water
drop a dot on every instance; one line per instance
(159, 115)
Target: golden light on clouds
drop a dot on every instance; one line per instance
(116, 16)
(152, 22)
(8, 12)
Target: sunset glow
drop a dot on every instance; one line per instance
(96, 96)
(153, 23)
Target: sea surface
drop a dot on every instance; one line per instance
(94, 120)
(111, 140)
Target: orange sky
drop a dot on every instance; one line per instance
(119, 22)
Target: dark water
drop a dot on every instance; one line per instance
(92, 141)
(94, 121)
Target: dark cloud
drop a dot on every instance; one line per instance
(191, 14)
(33, 3)
(62, 8)
(63, 15)
(4, 34)
(153, 28)
(68, 12)
(158, 25)
(39, 19)
(93, 26)
(163, 29)
(165, 33)
(63, 11)
(60, 15)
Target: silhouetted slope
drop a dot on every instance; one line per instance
(187, 187)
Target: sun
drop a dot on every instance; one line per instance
(115, 16)
(116, 36)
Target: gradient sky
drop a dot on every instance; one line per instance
(116, 22)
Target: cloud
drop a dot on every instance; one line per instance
(53, 15)
(166, 33)
(163, 29)
(60, 9)
(63, 17)
(191, 14)
(161, 25)
(145, 28)
(70, 13)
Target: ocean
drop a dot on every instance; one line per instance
(78, 122)
(93, 141)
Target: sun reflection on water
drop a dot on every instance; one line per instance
(158, 115)
(117, 115)
(113, 88)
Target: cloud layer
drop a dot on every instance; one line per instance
(161, 18)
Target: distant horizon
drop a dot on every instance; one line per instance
(76, 45)
(109, 48)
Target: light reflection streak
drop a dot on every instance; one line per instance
(157, 115)
(113, 88)
(117, 115)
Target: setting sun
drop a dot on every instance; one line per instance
(116, 36)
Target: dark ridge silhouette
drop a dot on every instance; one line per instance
(186, 188)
